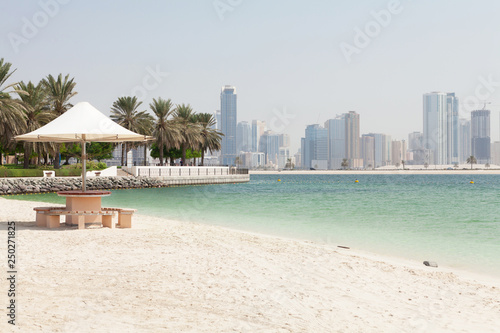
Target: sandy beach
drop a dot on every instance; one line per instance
(168, 276)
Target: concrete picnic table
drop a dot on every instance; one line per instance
(83, 201)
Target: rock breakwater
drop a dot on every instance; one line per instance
(44, 185)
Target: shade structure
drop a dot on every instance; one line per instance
(82, 123)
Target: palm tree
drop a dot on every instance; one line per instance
(165, 132)
(37, 111)
(211, 139)
(345, 163)
(472, 160)
(60, 92)
(12, 117)
(238, 161)
(185, 119)
(403, 163)
(124, 112)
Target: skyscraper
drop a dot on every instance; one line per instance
(415, 141)
(335, 142)
(480, 135)
(382, 149)
(352, 143)
(453, 141)
(218, 120)
(368, 151)
(243, 137)
(315, 148)
(441, 127)
(398, 152)
(465, 140)
(258, 129)
(435, 126)
(228, 120)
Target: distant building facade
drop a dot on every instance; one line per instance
(368, 151)
(336, 142)
(480, 136)
(314, 146)
(243, 137)
(352, 135)
(495, 152)
(228, 106)
(441, 127)
(465, 140)
(258, 129)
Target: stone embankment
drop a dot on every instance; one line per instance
(44, 185)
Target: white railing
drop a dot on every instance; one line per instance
(178, 171)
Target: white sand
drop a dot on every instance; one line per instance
(167, 276)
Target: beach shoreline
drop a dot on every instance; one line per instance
(184, 276)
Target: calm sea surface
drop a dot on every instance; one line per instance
(442, 218)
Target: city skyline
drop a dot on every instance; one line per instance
(293, 63)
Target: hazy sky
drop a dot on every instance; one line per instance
(293, 63)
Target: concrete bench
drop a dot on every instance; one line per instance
(124, 216)
(50, 216)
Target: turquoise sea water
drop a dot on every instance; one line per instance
(442, 218)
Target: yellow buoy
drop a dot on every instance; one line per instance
(356, 181)
(472, 182)
(279, 180)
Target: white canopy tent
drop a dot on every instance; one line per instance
(82, 123)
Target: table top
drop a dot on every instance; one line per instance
(79, 193)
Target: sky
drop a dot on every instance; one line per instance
(293, 63)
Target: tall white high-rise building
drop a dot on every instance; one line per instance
(352, 135)
(441, 127)
(368, 151)
(495, 152)
(228, 109)
(243, 137)
(453, 131)
(465, 140)
(398, 152)
(435, 129)
(218, 120)
(382, 149)
(336, 142)
(258, 129)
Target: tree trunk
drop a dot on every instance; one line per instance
(202, 157)
(1, 158)
(183, 159)
(124, 153)
(26, 156)
(160, 147)
(57, 164)
(145, 154)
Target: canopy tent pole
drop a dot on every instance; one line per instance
(84, 164)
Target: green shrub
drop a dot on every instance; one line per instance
(72, 166)
(101, 166)
(68, 172)
(91, 165)
(4, 172)
(46, 167)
